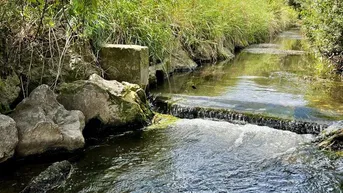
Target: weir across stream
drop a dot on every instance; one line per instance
(266, 84)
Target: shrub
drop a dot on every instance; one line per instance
(52, 41)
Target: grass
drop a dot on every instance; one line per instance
(194, 23)
(51, 42)
(323, 22)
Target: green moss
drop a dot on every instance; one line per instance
(162, 121)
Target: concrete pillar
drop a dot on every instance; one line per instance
(128, 63)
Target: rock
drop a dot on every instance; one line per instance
(112, 103)
(180, 60)
(225, 50)
(152, 75)
(44, 124)
(8, 137)
(53, 177)
(332, 137)
(126, 63)
(205, 52)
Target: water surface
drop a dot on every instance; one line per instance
(205, 156)
(273, 79)
(213, 156)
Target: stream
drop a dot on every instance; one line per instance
(206, 155)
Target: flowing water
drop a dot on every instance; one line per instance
(198, 155)
(273, 79)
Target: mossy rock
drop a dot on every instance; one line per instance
(112, 103)
(162, 121)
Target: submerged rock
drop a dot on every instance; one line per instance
(112, 103)
(53, 177)
(44, 124)
(8, 137)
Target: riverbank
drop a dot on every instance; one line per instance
(128, 162)
(323, 22)
(54, 42)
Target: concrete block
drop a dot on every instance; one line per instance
(128, 63)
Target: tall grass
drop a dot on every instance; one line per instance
(48, 42)
(156, 24)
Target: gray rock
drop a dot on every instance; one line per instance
(205, 52)
(53, 177)
(126, 63)
(8, 137)
(44, 124)
(152, 75)
(180, 60)
(111, 102)
(225, 50)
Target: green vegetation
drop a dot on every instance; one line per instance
(228, 23)
(323, 24)
(53, 41)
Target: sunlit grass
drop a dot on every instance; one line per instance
(159, 24)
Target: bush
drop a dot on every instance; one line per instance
(51, 41)
(235, 23)
(323, 24)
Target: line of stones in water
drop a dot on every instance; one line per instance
(164, 105)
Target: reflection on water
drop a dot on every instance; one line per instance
(280, 85)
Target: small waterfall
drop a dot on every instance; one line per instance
(162, 105)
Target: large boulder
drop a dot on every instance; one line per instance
(53, 177)
(8, 137)
(44, 124)
(112, 103)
